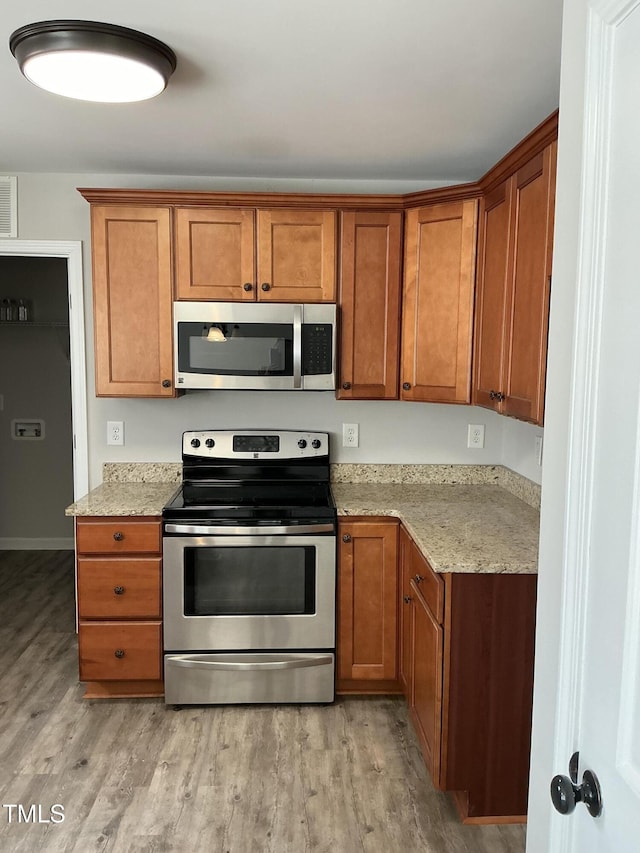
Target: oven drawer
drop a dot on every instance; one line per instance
(118, 651)
(117, 536)
(119, 589)
(214, 679)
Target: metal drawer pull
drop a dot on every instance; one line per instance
(407, 599)
(418, 579)
(118, 536)
(119, 590)
(346, 537)
(203, 530)
(119, 653)
(201, 662)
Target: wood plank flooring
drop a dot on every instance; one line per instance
(135, 775)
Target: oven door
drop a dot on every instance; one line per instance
(251, 589)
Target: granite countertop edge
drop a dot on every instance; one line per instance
(477, 528)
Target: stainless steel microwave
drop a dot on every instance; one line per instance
(261, 346)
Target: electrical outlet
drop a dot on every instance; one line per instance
(350, 435)
(538, 449)
(475, 436)
(115, 432)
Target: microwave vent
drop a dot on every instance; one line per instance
(8, 207)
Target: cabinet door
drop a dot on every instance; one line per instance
(297, 255)
(215, 254)
(426, 700)
(367, 600)
(132, 301)
(526, 346)
(494, 269)
(370, 276)
(405, 611)
(440, 252)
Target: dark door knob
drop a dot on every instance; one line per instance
(248, 287)
(265, 286)
(118, 536)
(346, 385)
(119, 653)
(119, 590)
(166, 383)
(418, 578)
(566, 793)
(406, 386)
(496, 395)
(346, 537)
(407, 599)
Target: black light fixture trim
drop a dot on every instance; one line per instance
(49, 36)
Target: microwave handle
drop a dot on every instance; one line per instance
(297, 346)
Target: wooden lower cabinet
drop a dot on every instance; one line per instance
(119, 589)
(367, 606)
(466, 668)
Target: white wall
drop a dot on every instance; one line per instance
(50, 208)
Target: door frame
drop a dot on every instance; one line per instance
(71, 251)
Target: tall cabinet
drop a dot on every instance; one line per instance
(132, 301)
(514, 281)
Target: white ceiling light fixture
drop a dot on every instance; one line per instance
(93, 61)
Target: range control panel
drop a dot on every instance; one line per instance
(255, 444)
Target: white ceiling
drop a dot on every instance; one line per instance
(349, 89)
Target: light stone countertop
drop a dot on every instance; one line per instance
(124, 499)
(458, 528)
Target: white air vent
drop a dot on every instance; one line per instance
(8, 207)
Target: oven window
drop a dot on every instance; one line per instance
(249, 581)
(236, 349)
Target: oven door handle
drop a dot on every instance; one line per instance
(206, 530)
(205, 662)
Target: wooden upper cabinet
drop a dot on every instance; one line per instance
(515, 240)
(132, 300)
(242, 254)
(526, 344)
(296, 258)
(215, 254)
(370, 282)
(440, 250)
(493, 273)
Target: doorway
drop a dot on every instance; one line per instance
(44, 447)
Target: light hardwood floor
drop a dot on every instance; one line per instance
(135, 775)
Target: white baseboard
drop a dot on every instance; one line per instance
(16, 544)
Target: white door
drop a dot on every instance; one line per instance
(597, 692)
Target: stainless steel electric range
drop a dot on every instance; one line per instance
(249, 570)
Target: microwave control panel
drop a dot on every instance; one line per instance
(317, 352)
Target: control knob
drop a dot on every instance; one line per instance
(210, 442)
(302, 444)
(315, 443)
(195, 442)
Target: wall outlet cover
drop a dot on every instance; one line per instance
(115, 432)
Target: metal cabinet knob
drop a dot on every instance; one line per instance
(166, 383)
(496, 395)
(265, 286)
(346, 385)
(418, 578)
(406, 386)
(248, 286)
(119, 653)
(118, 536)
(119, 590)
(346, 537)
(407, 599)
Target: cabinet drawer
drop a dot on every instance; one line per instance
(119, 589)
(116, 536)
(428, 583)
(120, 651)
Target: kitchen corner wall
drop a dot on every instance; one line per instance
(50, 208)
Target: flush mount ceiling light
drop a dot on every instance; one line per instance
(92, 61)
